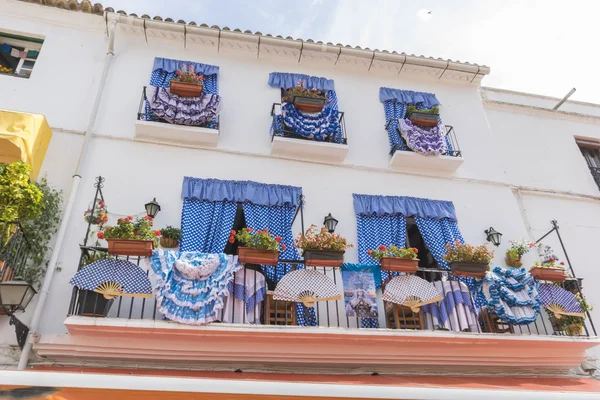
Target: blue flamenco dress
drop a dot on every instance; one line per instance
(191, 287)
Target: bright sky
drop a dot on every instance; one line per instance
(538, 46)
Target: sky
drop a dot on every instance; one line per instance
(538, 46)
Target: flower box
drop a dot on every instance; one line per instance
(469, 269)
(130, 247)
(185, 89)
(323, 258)
(168, 243)
(307, 104)
(257, 256)
(424, 119)
(92, 304)
(396, 264)
(548, 274)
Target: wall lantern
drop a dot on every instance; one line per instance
(152, 208)
(330, 223)
(493, 236)
(15, 296)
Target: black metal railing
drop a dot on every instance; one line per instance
(14, 250)
(279, 128)
(453, 149)
(145, 114)
(596, 174)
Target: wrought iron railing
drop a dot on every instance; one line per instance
(145, 113)
(596, 174)
(14, 250)
(453, 149)
(279, 128)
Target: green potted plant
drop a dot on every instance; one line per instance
(550, 269)
(131, 238)
(169, 237)
(396, 259)
(428, 117)
(321, 248)
(258, 246)
(20, 200)
(90, 303)
(569, 324)
(518, 248)
(468, 260)
(187, 82)
(307, 100)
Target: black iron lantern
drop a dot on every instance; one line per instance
(152, 208)
(330, 223)
(16, 296)
(493, 236)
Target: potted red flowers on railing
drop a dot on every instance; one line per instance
(396, 259)
(259, 246)
(468, 260)
(187, 83)
(131, 238)
(321, 248)
(307, 100)
(550, 269)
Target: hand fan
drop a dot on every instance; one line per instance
(410, 291)
(306, 286)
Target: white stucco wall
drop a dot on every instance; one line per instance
(136, 172)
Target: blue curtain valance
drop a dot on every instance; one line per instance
(285, 80)
(408, 206)
(170, 65)
(240, 191)
(408, 97)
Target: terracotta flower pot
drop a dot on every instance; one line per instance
(395, 264)
(185, 89)
(257, 256)
(307, 104)
(168, 243)
(548, 274)
(469, 269)
(124, 247)
(424, 119)
(323, 258)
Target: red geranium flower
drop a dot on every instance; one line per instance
(231, 239)
(259, 231)
(382, 248)
(100, 235)
(233, 232)
(250, 229)
(266, 230)
(278, 239)
(129, 218)
(415, 249)
(369, 252)
(149, 218)
(283, 246)
(157, 233)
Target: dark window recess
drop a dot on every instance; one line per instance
(591, 153)
(414, 239)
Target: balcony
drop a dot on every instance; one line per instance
(404, 157)
(286, 142)
(149, 127)
(131, 330)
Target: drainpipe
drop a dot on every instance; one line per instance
(60, 235)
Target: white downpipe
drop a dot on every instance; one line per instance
(62, 229)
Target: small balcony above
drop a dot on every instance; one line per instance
(404, 157)
(288, 141)
(176, 128)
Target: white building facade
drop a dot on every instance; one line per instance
(518, 168)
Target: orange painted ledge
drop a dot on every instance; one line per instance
(160, 342)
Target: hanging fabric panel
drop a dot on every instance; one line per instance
(164, 69)
(240, 191)
(279, 221)
(427, 100)
(283, 80)
(365, 204)
(205, 225)
(436, 234)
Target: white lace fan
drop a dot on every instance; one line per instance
(411, 291)
(306, 286)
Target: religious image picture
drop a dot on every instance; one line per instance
(360, 295)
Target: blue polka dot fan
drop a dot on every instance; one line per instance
(113, 278)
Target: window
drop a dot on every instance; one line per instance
(414, 239)
(18, 54)
(591, 152)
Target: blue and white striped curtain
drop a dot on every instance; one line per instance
(279, 221)
(205, 225)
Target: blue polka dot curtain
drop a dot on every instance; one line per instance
(279, 221)
(205, 225)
